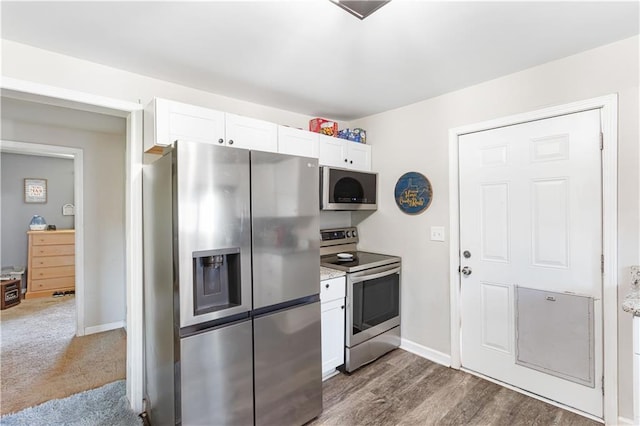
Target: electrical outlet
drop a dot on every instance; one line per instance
(437, 233)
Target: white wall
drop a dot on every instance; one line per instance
(104, 214)
(415, 138)
(26, 63)
(16, 214)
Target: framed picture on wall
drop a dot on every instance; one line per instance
(35, 190)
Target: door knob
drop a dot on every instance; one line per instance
(466, 271)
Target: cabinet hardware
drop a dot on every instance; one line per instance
(230, 141)
(220, 140)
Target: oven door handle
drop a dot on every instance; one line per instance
(361, 278)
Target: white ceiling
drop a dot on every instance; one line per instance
(312, 57)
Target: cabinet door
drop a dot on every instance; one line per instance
(332, 152)
(359, 156)
(332, 335)
(166, 121)
(294, 141)
(249, 133)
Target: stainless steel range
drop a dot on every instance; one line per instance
(373, 296)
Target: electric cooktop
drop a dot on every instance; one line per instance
(353, 261)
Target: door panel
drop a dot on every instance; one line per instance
(216, 377)
(495, 222)
(213, 213)
(530, 215)
(288, 362)
(496, 315)
(286, 242)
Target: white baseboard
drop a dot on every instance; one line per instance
(625, 421)
(424, 352)
(103, 327)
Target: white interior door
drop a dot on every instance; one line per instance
(531, 243)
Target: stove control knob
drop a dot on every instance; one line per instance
(348, 234)
(354, 234)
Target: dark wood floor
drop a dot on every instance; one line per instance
(404, 389)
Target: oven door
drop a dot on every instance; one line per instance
(373, 303)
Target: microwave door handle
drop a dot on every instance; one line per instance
(374, 276)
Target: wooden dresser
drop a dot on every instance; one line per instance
(51, 262)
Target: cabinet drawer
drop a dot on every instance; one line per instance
(332, 289)
(54, 250)
(50, 239)
(53, 284)
(54, 272)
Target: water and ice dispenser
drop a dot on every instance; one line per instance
(216, 280)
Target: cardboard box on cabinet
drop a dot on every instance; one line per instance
(323, 126)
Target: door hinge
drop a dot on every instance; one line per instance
(602, 263)
(601, 141)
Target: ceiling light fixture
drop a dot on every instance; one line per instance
(360, 9)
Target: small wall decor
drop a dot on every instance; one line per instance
(35, 190)
(68, 210)
(413, 193)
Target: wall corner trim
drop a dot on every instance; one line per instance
(425, 352)
(104, 327)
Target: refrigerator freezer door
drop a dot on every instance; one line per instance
(288, 358)
(216, 377)
(286, 235)
(213, 214)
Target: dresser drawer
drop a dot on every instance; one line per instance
(53, 250)
(53, 272)
(47, 261)
(53, 283)
(332, 289)
(45, 239)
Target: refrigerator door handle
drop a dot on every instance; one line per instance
(290, 304)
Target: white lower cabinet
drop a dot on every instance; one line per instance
(332, 293)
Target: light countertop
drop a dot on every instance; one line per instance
(631, 304)
(328, 273)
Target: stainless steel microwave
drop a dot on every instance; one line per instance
(342, 189)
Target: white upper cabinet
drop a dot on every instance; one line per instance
(250, 133)
(359, 156)
(346, 154)
(167, 121)
(294, 141)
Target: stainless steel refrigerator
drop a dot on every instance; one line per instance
(231, 261)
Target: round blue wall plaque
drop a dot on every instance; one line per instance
(413, 193)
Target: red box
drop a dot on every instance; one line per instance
(326, 127)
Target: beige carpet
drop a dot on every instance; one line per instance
(41, 359)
